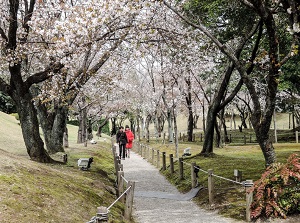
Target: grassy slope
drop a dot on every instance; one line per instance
(35, 192)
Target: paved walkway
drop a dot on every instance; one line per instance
(157, 201)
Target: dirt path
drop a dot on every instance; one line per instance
(156, 200)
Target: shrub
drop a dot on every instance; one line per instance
(277, 192)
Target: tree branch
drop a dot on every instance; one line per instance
(43, 75)
(3, 35)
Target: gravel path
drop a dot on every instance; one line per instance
(156, 200)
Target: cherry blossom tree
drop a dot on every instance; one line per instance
(38, 39)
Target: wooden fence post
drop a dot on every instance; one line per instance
(121, 185)
(297, 137)
(164, 161)
(210, 186)
(193, 175)
(102, 214)
(244, 139)
(201, 137)
(171, 164)
(116, 161)
(238, 175)
(129, 200)
(141, 153)
(181, 168)
(158, 160)
(249, 199)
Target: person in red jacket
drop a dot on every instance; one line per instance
(130, 137)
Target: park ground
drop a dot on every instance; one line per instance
(34, 192)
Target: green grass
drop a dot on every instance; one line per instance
(35, 192)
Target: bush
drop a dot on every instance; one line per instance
(73, 122)
(277, 193)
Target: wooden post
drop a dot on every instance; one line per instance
(297, 137)
(230, 139)
(164, 161)
(158, 160)
(181, 168)
(171, 164)
(201, 137)
(141, 153)
(129, 200)
(193, 175)
(102, 214)
(120, 166)
(179, 135)
(116, 161)
(250, 138)
(210, 186)
(249, 199)
(121, 185)
(244, 139)
(194, 137)
(238, 175)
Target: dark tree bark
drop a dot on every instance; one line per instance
(30, 126)
(113, 126)
(53, 125)
(82, 130)
(188, 99)
(147, 123)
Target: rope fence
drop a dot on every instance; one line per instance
(124, 196)
(161, 160)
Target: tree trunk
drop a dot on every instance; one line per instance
(138, 127)
(195, 121)
(147, 123)
(113, 126)
(53, 126)
(190, 125)
(66, 139)
(82, 130)
(218, 135)
(266, 146)
(170, 125)
(176, 135)
(30, 127)
(207, 148)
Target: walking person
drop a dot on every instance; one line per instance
(122, 141)
(130, 138)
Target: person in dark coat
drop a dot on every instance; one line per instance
(122, 141)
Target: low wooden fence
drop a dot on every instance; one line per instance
(242, 138)
(125, 194)
(159, 159)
